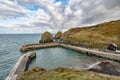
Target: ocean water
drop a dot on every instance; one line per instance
(9, 50)
(50, 58)
(47, 58)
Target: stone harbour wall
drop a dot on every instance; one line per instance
(21, 66)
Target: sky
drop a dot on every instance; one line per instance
(38, 16)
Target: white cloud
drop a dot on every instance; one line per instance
(57, 4)
(9, 9)
(54, 16)
(68, 10)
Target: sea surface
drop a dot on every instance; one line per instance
(47, 58)
(9, 50)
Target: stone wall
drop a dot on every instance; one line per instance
(111, 56)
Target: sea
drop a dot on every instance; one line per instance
(47, 58)
(10, 45)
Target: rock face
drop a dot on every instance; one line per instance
(46, 37)
(104, 67)
(58, 35)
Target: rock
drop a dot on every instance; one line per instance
(58, 35)
(105, 67)
(32, 55)
(23, 49)
(37, 69)
(46, 37)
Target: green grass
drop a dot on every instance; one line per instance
(62, 73)
(96, 36)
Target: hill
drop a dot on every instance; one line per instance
(95, 36)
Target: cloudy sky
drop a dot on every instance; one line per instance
(37, 16)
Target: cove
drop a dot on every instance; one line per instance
(50, 58)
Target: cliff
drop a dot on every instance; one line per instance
(95, 36)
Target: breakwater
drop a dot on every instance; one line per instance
(111, 56)
(21, 66)
(106, 55)
(29, 47)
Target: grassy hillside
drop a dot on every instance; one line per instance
(95, 36)
(63, 74)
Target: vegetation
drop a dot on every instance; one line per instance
(63, 74)
(46, 37)
(58, 35)
(94, 36)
